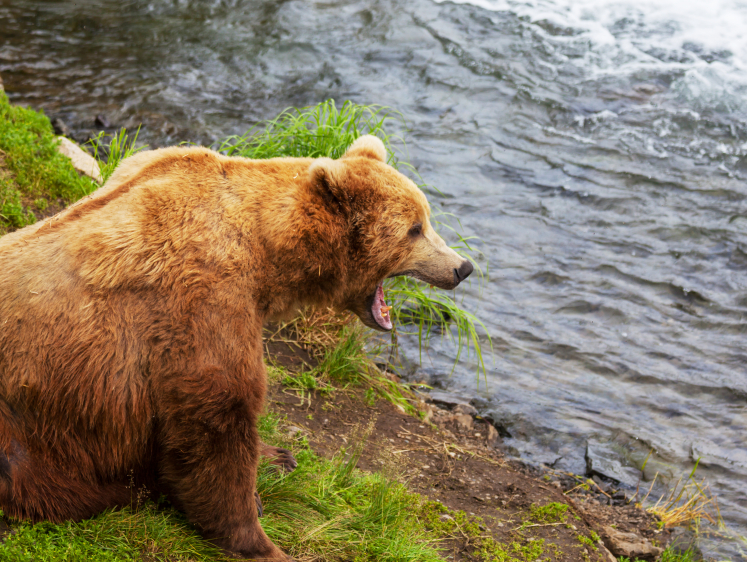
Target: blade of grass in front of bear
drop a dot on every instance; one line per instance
(110, 154)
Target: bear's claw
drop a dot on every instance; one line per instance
(281, 459)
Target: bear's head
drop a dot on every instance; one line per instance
(385, 219)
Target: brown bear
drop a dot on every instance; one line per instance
(131, 342)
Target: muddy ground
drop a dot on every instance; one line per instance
(460, 463)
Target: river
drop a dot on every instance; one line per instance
(597, 149)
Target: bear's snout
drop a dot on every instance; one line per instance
(463, 271)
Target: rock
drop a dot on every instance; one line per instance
(480, 403)
(465, 409)
(83, 162)
(428, 410)
(604, 486)
(447, 399)
(602, 460)
(293, 431)
(606, 554)
(464, 421)
(494, 437)
(499, 423)
(629, 545)
(60, 128)
(102, 121)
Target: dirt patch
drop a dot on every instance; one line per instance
(51, 209)
(459, 465)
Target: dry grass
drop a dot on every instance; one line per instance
(686, 505)
(316, 331)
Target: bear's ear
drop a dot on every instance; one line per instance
(368, 146)
(327, 180)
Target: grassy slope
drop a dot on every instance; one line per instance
(34, 174)
(324, 510)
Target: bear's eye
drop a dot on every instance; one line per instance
(416, 230)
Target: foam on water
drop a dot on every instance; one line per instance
(705, 39)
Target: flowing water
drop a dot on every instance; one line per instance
(597, 148)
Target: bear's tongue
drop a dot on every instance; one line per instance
(380, 310)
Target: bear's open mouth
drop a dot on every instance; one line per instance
(380, 310)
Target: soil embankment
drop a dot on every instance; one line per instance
(455, 458)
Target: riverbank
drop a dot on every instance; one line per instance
(382, 475)
(453, 458)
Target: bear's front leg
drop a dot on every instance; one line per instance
(209, 451)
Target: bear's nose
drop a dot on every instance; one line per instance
(463, 272)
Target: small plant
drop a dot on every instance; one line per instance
(110, 154)
(471, 530)
(305, 384)
(551, 513)
(686, 504)
(670, 555)
(590, 542)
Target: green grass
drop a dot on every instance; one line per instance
(325, 510)
(469, 529)
(670, 555)
(329, 510)
(115, 535)
(38, 174)
(553, 512)
(110, 154)
(348, 360)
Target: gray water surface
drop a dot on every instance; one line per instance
(599, 158)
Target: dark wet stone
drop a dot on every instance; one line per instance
(467, 409)
(60, 128)
(102, 121)
(619, 498)
(604, 486)
(447, 398)
(499, 424)
(603, 461)
(419, 375)
(480, 403)
(683, 540)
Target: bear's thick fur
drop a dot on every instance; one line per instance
(131, 350)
